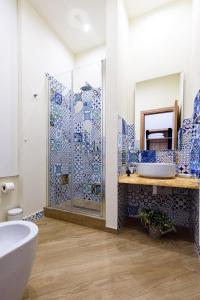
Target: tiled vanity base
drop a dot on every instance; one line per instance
(181, 205)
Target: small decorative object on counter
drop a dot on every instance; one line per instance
(133, 167)
(128, 172)
(157, 222)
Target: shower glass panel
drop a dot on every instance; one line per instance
(75, 156)
(59, 146)
(87, 187)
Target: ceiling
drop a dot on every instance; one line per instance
(136, 8)
(80, 24)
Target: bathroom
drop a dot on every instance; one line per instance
(79, 80)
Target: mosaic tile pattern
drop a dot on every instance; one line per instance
(75, 156)
(195, 139)
(148, 156)
(180, 133)
(132, 154)
(186, 134)
(183, 162)
(35, 216)
(176, 203)
(87, 119)
(195, 151)
(60, 142)
(122, 145)
(196, 110)
(181, 205)
(166, 156)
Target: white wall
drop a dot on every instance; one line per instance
(125, 96)
(155, 93)
(10, 199)
(117, 97)
(8, 103)
(195, 60)
(9, 88)
(111, 114)
(41, 52)
(161, 45)
(90, 57)
(87, 67)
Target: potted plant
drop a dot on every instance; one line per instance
(157, 222)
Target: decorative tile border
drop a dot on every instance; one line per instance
(35, 216)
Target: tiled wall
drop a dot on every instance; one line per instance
(60, 137)
(195, 138)
(187, 155)
(127, 155)
(75, 134)
(176, 203)
(87, 144)
(181, 205)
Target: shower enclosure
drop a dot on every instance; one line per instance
(75, 148)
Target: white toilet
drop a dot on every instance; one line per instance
(15, 214)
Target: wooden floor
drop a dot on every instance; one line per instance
(76, 262)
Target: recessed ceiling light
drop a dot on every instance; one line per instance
(86, 27)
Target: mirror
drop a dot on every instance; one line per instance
(158, 109)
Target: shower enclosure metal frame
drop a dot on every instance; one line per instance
(102, 204)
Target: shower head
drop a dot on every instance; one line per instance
(86, 87)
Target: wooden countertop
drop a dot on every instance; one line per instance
(179, 182)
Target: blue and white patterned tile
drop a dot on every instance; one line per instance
(58, 98)
(166, 156)
(195, 140)
(176, 204)
(186, 134)
(183, 162)
(75, 128)
(35, 216)
(187, 125)
(131, 136)
(148, 156)
(195, 155)
(133, 156)
(196, 110)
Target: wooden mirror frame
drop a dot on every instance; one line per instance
(174, 109)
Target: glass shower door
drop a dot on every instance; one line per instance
(75, 156)
(87, 176)
(60, 147)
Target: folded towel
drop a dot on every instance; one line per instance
(156, 136)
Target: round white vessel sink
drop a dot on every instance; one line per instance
(156, 170)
